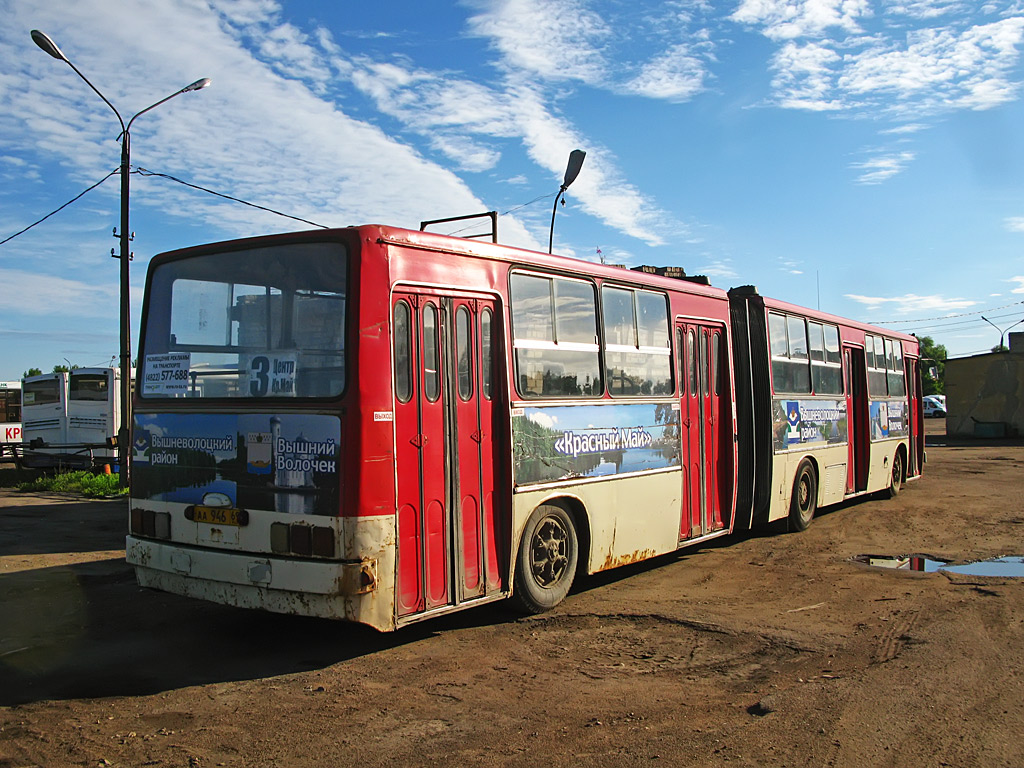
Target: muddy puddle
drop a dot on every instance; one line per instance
(1000, 567)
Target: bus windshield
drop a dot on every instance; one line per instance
(254, 323)
(42, 392)
(88, 386)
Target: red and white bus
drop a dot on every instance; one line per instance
(381, 425)
(10, 412)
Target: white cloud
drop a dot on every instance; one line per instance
(927, 9)
(912, 303)
(941, 68)
(676, 75)
(901, 130)
(722, 268)
(804, 77)
(790, 19)
(903, 67)
(1014, 223)
(554, 39)
(1019, 280)
(32, 293)
(255, 133)
(882, 168)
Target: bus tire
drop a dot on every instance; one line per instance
(804, 503)
(546, 563)
(896, 476)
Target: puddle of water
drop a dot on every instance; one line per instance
(1003, 567)
(902, 563)
(1000, 567)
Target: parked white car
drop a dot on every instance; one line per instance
(934, 405)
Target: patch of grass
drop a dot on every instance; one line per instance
(85, 483)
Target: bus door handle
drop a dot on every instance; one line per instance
(419, 440)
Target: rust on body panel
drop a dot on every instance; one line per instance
(613, 561)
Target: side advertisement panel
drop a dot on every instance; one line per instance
(575, 441)
(276, 462)
(809, 423)
(889, 419)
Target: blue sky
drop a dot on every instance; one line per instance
(865, 152)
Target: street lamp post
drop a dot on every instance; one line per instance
(572, 170)
(1002, 331)
(123, 449)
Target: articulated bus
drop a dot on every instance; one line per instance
(382, 426)
(10, 412)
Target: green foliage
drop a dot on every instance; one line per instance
(31, 372)
(933, 361)
(85, 483)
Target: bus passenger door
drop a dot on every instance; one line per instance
(472, 437)
(450, 531)
(914, 416)
(857, 419)
(703, 426)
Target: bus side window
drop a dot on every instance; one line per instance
(680, 366)
(463, 348)
(403, 352)
(486, 360)
(638, 354)
(789, 352)
(691, 361)
(554, 334)
(716, 368)
(431, 356)
(875, 349)
(897, 384)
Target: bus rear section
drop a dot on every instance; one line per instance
(94, 411)
(44, 415)
(246, 448)
(828, 409)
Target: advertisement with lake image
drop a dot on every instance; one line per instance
(577, 441)
(282, 463)
(798, 423)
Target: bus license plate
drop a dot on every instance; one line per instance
(216, 515)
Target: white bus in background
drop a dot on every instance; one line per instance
(10, 412)
(44, 408)
(70, 417)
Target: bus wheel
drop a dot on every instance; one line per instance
(546, 564)
(805, 497)
(897, 475)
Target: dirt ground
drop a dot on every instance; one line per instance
(758, 650)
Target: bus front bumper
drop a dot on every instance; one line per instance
(327, 589)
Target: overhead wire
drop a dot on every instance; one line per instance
(945, 317)
(58, 210)
(506, 213)
(145, 172)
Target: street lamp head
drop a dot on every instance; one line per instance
(197, 85)
(43, 41)
(572, 170)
